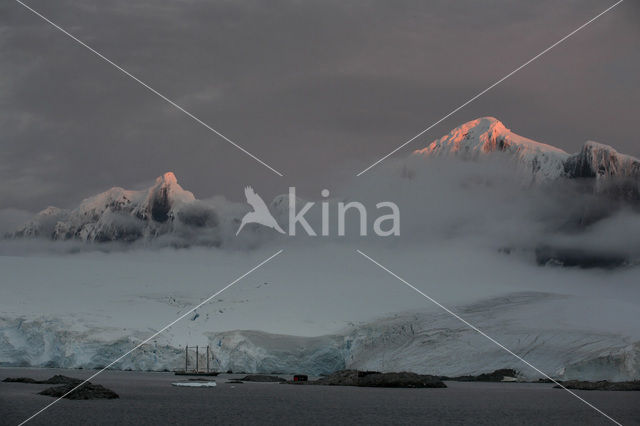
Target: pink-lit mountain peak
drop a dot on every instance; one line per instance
(486, 136)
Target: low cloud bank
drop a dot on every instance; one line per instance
(484, 204)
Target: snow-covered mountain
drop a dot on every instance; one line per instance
(488, 136)
(124, 215)
(536, 162)
(612, 173)
(596, 160)
(164, 211)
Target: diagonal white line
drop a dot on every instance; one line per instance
(146, 86)
(490, 87)
(473, 327)
(156, 333)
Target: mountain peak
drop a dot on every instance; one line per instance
(538, 162)
(116, 214)
(487, 135)
(482, 125)
(167, 187)
(484, 135)
(167, 179)
(599, 160)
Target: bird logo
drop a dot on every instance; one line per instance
(260, 213)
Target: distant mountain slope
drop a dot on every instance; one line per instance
(599, 161)
(613, 173)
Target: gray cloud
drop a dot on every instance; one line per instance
(318, 89)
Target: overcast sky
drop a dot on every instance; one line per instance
(318, 89)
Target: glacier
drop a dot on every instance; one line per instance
(428, 343)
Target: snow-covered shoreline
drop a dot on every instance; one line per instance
(421, 342)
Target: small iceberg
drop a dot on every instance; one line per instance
(195, 384)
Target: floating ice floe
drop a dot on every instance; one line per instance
(195, 384)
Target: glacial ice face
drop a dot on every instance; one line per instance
(422, 342)
(47, 342)
(437, 343)
(256, 351)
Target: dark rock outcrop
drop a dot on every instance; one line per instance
(262, 378)
(579, 258)
(67, 385)
(377, 379)
(21, 380)
(58, 379)
(86, 391)
(495, 376)
(601, 385)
